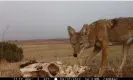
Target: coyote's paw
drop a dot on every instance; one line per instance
(119, 73)
(84, 63)
(97, 75)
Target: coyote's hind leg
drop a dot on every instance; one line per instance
(126, 47)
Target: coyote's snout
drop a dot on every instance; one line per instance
(99, 34)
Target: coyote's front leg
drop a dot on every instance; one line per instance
(104, 58)
(96, 50)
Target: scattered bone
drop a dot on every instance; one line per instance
(27, 63)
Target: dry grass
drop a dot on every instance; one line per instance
(9, 69)
(44, 51)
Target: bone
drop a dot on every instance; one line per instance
(52, 69)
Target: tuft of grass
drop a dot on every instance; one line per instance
(10, 52)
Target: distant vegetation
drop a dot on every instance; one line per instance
(10, 52)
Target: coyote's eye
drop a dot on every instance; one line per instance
(73, 45)
(81, 43)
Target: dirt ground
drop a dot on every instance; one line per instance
(50, 50)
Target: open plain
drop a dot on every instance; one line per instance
(61, 50)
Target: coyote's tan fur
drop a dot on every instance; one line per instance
(99, 34)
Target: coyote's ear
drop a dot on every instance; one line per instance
(84, 29)
(71, 31)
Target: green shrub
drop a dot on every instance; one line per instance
(11, 52)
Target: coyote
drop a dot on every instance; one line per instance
(99, 34)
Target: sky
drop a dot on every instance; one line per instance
(27, 20)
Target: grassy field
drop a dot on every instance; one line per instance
(50, 50)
